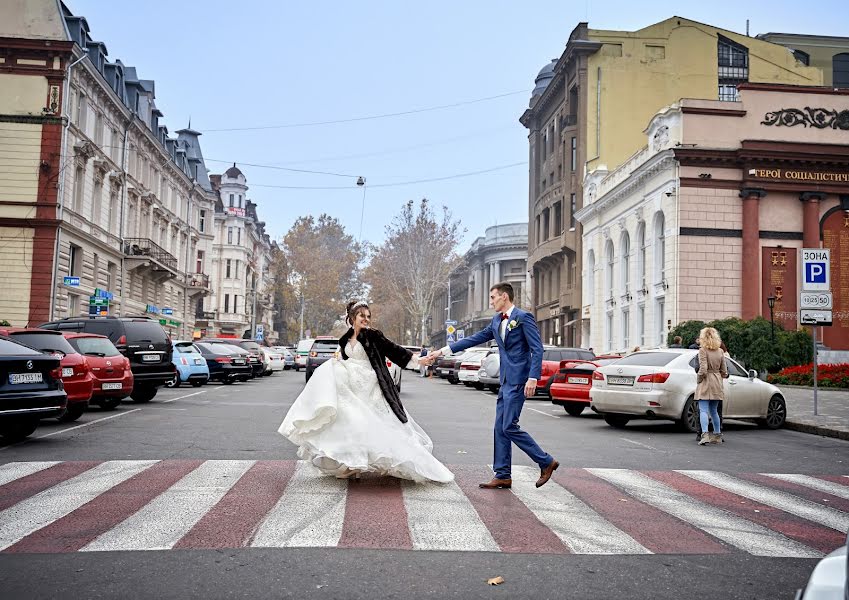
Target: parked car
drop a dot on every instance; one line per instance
(246, 356)
(490, 375)
(660, 384)
(323, 349)
(253, 349)
(272, 360)
(442, 367)
(551, 358)
(141, 339)
(302, 351)
(830, 577)
(469, 370)
(113, 377)
(288, 357)
(570, 386)
(76, 372)
(224, 362)
(452, 367)
(417, 351)
(30, 389)
(191, 365)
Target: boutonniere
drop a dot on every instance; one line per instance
(512, 325)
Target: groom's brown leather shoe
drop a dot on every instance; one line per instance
(497, 484)
(546, 473)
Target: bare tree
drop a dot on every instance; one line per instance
(415, 261)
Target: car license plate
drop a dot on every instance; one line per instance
(150, 358)
(111, 386)
(16, 378)
(198, 361)
(620, 380)
(578, 380)
(238, 361)
(67, 371)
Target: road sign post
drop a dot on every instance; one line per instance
(815, 299)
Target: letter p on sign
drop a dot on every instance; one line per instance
(815, 273)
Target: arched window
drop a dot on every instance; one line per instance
(625, 262)
(840, 70)
(659, 248)
(641, 255)
(589, 284)
(608, 272)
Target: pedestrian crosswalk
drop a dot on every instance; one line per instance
(93, 506)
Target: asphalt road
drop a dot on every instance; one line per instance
(234, 425)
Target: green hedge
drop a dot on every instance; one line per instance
(750, 342)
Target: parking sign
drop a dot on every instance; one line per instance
(816, 263)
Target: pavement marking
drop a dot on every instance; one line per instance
(789, 503)
(730, 528)
(543, 413)
(27, 516)
(581, 528)
(638, 443)
(310, 512)
(167, 518)
(16, 470)
(182, 397)
(47, 435)
(821, 485)
(441, 517)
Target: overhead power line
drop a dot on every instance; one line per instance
(370, 117)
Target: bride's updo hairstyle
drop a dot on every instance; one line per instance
(353, 308)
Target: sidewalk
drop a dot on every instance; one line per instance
(832, 406)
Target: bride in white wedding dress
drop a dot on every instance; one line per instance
(349, 418)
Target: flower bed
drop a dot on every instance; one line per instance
(830, 376)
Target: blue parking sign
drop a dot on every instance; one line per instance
(816, 263)
(815, 272)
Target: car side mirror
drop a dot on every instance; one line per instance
(752, 374)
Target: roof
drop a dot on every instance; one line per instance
(233, 172)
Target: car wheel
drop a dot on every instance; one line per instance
(227, 381)
(776, 413)
(478, 386)
(493, 388)
(453, 381)
(197, 383)
(173, 382)
(689, 420)
(574, 408)
(109, 403)
(15, 431)
(617, 421)
(143, 394)
(72, 413)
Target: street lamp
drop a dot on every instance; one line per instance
(771, 303)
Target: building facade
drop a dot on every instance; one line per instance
(707, 220)
(829, 53)
(499, 255)
(587, 112)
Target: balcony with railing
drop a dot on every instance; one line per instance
(197, 283)
(152, 255)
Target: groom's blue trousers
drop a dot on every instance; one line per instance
(511, 398)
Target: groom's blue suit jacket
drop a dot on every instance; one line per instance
(521, 349)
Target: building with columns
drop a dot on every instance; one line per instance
(499, 255)
(707, 220)
(587, 112)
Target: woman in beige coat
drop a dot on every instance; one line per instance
(709, 388)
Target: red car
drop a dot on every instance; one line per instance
(76, 374)
(570, 386)
(552, 358)
(113, 378)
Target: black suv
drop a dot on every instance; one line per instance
(141, 339)
(323, 349)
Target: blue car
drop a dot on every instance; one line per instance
(191, 365)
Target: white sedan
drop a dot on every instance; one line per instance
(469, 369)
(660, 384)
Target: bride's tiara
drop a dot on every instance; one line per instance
(359, 304)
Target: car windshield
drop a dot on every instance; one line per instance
(145, 331)
(10, 348)
(325, 346)
(249, 346)
(648, 359)
(93, 346)
(46, 342)
(234, 349)
(222, 349)
(187, 349)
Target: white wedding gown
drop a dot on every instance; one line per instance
(342, 424)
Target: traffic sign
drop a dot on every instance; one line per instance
(816, 267)
(816, 300)
(815, 317)
(449, 339)
(461, 333)
(450, 322)
(450, 329)
(260, 333)
(71, 281)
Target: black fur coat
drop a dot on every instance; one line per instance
(378, 348)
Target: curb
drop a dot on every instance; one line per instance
(811, 388)
(817, 430)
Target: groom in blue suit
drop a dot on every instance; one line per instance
(517, 335)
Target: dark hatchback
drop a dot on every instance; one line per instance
(225, 363)
(323, 349)
(30, 389)
(141, 339)
(251, 347)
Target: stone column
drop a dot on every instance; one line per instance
(497, 268)
(811, 218)
(478, 286)
(750, 288)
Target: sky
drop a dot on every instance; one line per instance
(261, 79)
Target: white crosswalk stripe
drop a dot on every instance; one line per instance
(310, 512)
(582, 529)
(821, 485)
(729, 528)
(781, 500)
(54, 503)
(12, 471)
(167, 518)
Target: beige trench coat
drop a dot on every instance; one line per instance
(712, 370)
